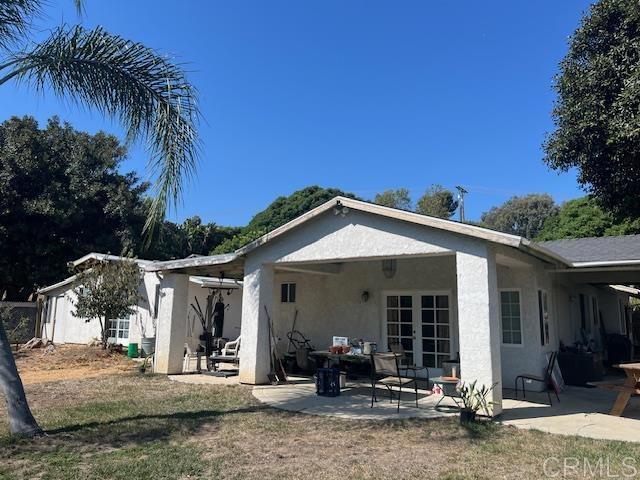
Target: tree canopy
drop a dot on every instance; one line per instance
(282, 210)
(524, 216)
(583, 217)
(437, 202)
(597, 113)
(61, 196)
(394, 198)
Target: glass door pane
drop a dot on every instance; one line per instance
(435, 334)
(400, 323)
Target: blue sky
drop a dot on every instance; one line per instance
(358, 95)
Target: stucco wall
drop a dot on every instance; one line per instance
(527, 357)
(331, 305)
(71, 329)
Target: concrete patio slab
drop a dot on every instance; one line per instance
(581, 411)
(353, 403)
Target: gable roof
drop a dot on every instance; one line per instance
(102, 257)
(434, 222)
(597, 250)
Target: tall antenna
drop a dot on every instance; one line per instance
(461, 193)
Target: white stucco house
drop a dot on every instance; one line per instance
(497, 302)
(443, 289)
(59, 325)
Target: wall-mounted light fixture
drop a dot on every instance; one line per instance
(340, 209)
(365, 296)
(389, 267)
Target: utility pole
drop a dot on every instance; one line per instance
(461, 193)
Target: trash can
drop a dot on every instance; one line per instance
(148, 345)
(132, 350)
(328, 382)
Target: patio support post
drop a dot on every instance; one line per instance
(257, 292)
(171, 323)
(478, 319)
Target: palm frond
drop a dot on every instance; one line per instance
(15, 19)
(149, 95)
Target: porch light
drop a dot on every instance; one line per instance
(389, 267)
(340, 209)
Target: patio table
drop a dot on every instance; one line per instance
(448, 386)
(631, 386)
(340, 360)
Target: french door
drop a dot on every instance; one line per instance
(421, 324)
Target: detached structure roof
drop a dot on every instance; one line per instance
(597, 250)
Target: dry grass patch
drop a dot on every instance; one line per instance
(145, 426)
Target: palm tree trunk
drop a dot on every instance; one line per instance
(21, 421)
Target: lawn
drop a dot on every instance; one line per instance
(124, 425)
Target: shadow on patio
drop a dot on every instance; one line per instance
(581, 411)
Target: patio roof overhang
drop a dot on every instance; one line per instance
(604, 273)
(228, 265)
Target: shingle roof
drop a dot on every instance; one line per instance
(596, 249)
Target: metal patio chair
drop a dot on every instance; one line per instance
(385, 370)
(546, 379)
(405, 363)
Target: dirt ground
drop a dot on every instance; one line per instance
(69, 362)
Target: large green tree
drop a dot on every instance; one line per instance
(280, 211)
(398, 198)
(437, 201)
(524, 216)
(191, 237)
(597, 113)
(61, 196)
(583, 217)
(125, 80)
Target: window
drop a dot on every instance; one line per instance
(510, 315)
(623, 317)
(543, 308)
(594, 310)
(288, 293)
(119, 329)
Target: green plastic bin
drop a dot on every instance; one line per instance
(132, 351)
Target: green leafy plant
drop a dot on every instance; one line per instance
(474, 398)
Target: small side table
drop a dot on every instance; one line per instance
(448, 386)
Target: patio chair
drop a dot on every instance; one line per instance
(228, 354)
(385, 370)
(546, 379)
(404, 362)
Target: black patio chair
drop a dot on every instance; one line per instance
(405, 363)
(546, 379)
(385, 370)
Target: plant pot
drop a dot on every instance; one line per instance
(467, 416)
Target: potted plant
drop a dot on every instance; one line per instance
(473, 400)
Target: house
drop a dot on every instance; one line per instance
(60, 325)
(441, 288)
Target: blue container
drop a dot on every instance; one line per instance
(328, 382)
